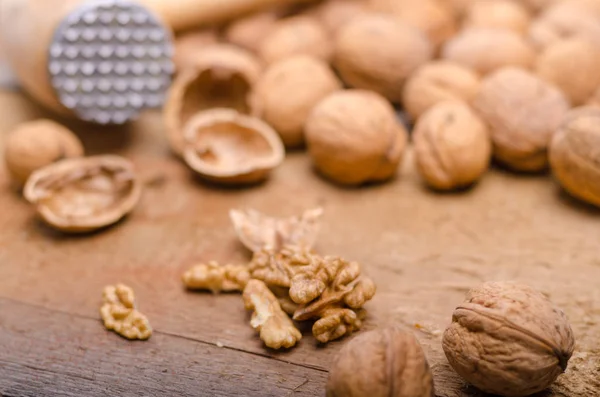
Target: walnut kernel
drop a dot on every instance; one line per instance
(504, 14)
(277, 267)
(216, 278)
(119, 313)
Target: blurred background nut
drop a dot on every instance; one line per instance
(522, 112)
(222, 76)
(505, 14)
(381, 363)
(378, 52)
(333, 14)
(574, 154)
(35, 144)
(248, 32)
(296, 35)
(452, 146)
(436, 82)
(488, 49)
(353, 137)
(288, 90)
(508, 339)
(189, 44)
(459, 7)
(573, 65)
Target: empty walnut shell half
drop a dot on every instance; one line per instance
(84, 194)
(225, 146)
(221, 77)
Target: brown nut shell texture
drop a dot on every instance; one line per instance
(84, 194)
(224, 146)
(502, 14)
(574, 154)
(508, 339)
(386, 362)
(249, 31)
(222, 76)
(522, 112)
(120, 315)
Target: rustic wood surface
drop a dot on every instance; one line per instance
(423, 249)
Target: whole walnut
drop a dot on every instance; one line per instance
(35, 144)
(378, 53)
(488, 49)
(288, 90)
(503, 14)
(573, 65)
(508, 339)
(574, 154)
(522, 112)
(248, 32)
(386, 362)
(436, 82)
(296, 35)
(353, 137)
(333, 14)
(452, 146)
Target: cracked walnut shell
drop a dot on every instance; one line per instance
(222, 76)
(35, 144)
(386, 362)
(84, 194)
(522, 112)
(227, 147)
(216, 278)
(119, 314)
(508, 339)
(354, 137)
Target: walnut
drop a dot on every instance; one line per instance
(84, 194)
(333, 14)
(257, 231)
(436, 82)
(277, 267)
(227, 147)
(522, 112)
(35, 144)
(216, 278)
(430, 16)
(577, 80)
(354, 137)
(287, 92)
(119, 313)
(459, 7)
(471, 48)
(283, 296)
(381, 363)
(337, 322)
(293, 36)
(452, 146)
(508, 339)
(504, 14)
(275, 327)
(222, 77)
(249, 31)
(189, 44)
(574, 154)
(594, 99)
(378, 53)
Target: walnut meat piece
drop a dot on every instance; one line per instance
(577, 79)
(508, 339)
(452, 146)
(381, 363)
(354, 137)
(288, 90)
(35, 144)
(227, 147)
(436, 82)
(216, 278)
(222, 77)
(335, 323)
(249, 31)
(84, 194)
(275, 327)
(471, 48)
(378, 53)
(503, 14)
(189, 44)
(119, 314)
(522, 112)
(574, 154)
(294, 36)
(277, 267)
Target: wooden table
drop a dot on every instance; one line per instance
(424, 250)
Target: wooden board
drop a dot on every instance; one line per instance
(423, 249)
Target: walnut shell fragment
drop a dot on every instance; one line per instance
(119, 313)
(227, 147)
(216, 278)
(384, 362)
(222, 76)
(257, 231)
(508, 339)
(84, 194)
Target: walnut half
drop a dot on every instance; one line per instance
(120, 315)
(216, 278)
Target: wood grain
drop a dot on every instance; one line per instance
(424, 250)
